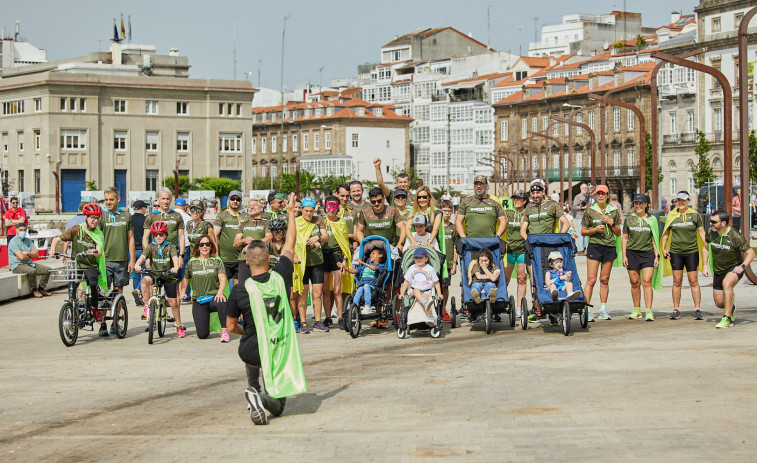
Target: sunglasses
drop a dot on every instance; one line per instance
(400, 197)
(235, 199)
(422, 197)
(447, 211)
(280, 232)
(713, 222)
(159, 234)
(378, 201)
(536, 189)
(194, 209)
(204, 244)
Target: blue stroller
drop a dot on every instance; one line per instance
(538, 248)
(382, 308)
(489, 312)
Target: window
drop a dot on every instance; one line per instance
(151, 107)
(295, 143)
(673, 121)
(5, 142)
(274, 145)
(556, 129)
(579, 119)
(690, 122)
(151, 141)
(395, 55)
(631, 161)
(73, 139)
(72, 104)
(378, 112)
(119, 140)
(263, 145)
(484, 117)
(355, 140)
(616, 161)
(20, 136)
(566, 128)
(38, 104)
(221, 108)
(119, 106)
(230, 109)
(327, 140)
(20, 180)
(82, 104)
(232, 142)
(524, 128)
(483, 137)
(37, 181)
(534, 125)
(239, 109)
(316, 141)
(737, 20)
(504, 127)
(579, 159)
(673, 186)
(254, 146)
(182, 141)
(631, 119)
(284, 144)
(306, 141)
(718, 120)
(360, 111)
(616, 119)
(13, 107)
(544, 122)
(62, 104)
(151, 180)
(716, 26)
(37, 140)
(181, 108)
(591, 120)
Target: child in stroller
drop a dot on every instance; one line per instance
(557, 279)
(484, 275)
(423, 280)
(368, 273)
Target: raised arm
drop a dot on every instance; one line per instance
(380, 178)
(291, 236)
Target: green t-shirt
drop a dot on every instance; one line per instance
(253, 228)
(383, 224)
(543, 217)
(514, 240)
(683, 233)
(273, 253)
(116, 227)
(480, 216)
(80, 242)
(450, 236)
(229, 223)
(161, 258)
(332, 242)
(593, 218)
(640, 237)
(203, 275)
(726, 249)
(194, 231)
(314, 254)
(270, 215)
(174, 220)
(348, 215)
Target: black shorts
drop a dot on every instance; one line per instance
(232, 269)
(717, 280)
(638, 260)
(690, 261)
(330, 258)
(445, 281)
(313, 274)
(601, 253)
(170, 289)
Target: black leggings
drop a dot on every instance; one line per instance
(92, 274)
(201, 316)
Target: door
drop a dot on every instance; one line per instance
(71, 185)
(120, 181)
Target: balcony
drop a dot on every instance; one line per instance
(688, 137)
(717, 136)
(554, 174)
(669, 139)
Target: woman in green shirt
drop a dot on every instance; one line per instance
(198, 226)
(601, 223)
(207, 274)
(515, 243)
(641, 256)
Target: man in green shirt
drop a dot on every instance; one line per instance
(226, 226)
(402, 183)
(480, 216)
(346, 211)
(380, 219)
(165, 214)
(254, 228)
(276, 208)
(118, 232)
(726, 249)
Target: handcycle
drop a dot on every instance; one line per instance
(156, 305)
(75, 314)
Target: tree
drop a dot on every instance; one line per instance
(752, 156)
(329, 183)
(289, 183)
(90, 185)
(640, 42)
(221, 186)
(185, 184)
(702, 169)
(648, 164)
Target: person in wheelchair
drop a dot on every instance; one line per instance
(422, 279)
(368, 277)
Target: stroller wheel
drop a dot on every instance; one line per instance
(524, 313)
(565, 317)
(488, 318)
(511, 311)
(583, 317)
(453, 312)
(395, 312)
(401, 332)
(353, 321)
(436, 332)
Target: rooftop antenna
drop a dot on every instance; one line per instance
(18, 31)
(320, 81)
(235, 51)
(489, 27)
(520, 45)
(536, 18)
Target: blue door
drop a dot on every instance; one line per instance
(72, 183)
(120, 181)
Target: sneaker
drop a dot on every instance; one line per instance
(554, 295)
(304, 329)
(255, 406)
(725, 322)
(180, 332)
(328, 321)
(145, 313)
(698, 315)
(366, 310)
(604, 314)
(533, 318)
(137, 297)
(446, 318)
(296, 326)
(186, 301)
(36, 293)
(650, 316)
(225, 337)
(635, 315)
(319, 326)
(44, 293)
(676, 315)
(112, 328)
(103, 331)
(98, 315)
(733, 313)
(340, 323)
(381, 323)
(496, 317)
(589, 315)
(493, 295)
(574, 295)
(476, 297)
(553, 320)
(170, 319)
(472, 318)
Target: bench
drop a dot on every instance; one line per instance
(13, 285)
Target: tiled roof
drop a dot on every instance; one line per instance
(342, 110)
(535, 62)
(427, 33)
(490, 76)
(648, 66)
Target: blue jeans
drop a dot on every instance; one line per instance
(483, 288)
(136, 279)
(581, 241)
(364, 291)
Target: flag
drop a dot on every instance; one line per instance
(129, 28)
(115, 32)
(123, 28)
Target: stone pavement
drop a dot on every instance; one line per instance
(621, 390)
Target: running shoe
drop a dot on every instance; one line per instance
(225, 336)
(574, 295)
(553, 320)
(446, 318)
(296, 326)
(170, 319)
(472, 318)
(496, 317)
(255, 406)
(144, 313)
(180, 332)
(650, 316)
(366, 310)
(676, 315)
(340, 323)
(533, 318)
(304, 329)
(97, 314)
(604, 314)
(381, 323)
(328, 321)
(137, 297)
(589, 316)
(725, 322)
(493, 295)
(635, 315)
(698, 315)
(733, 313)
(103, 331)
(112, 328)
(319, 326)
(476, 297)
(555, 294)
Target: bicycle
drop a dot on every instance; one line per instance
(157, 314)
(75, 314)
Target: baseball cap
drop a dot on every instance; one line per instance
(419, 219)
(180, 202)
(538, 184)
(420, 252)
(480, 179)
(683, 196)
(139, 204)
(236, 193)
(554, 255)
(518, 194)
(590, 185)
(603, 188)
(640, 197)
(400, 192)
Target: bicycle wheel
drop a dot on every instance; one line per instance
(151, 320)
(120, 318)
(162, 320)
(68, 325)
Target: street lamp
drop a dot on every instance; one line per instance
(281, 145)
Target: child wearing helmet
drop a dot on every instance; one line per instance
(557, 279)
(160, 254)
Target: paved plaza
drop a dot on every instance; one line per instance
(621, 390)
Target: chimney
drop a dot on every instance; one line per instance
(619, 75)
(593, 81)
(675, 16)
(570, 85)
(173, 52)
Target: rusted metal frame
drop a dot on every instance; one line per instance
(570, 149)
(502, 153)
(531, 147)
(744, 125)
(562, 155)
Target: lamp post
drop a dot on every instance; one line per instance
(281, 140)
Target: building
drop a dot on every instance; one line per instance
(336, 134)
(122, 118)
(431, 44)
(15, 52)
(584, 34)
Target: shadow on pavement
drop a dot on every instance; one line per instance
(309, 402)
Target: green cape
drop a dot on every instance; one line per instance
(99, 239)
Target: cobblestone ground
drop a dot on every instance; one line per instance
(621, 390)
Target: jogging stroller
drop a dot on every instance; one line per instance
(381, 308)
(412, 316)
(538, 249)
(468, 249)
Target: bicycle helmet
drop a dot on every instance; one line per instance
(277, 224)
(197, 204)
(92, 209)
(159, 227)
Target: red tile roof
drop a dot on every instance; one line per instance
(490, 76)
(342, 110)
(535, 62)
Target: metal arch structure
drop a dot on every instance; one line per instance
(561, 161)
(592, 162)
(743, 114)
(527, 144)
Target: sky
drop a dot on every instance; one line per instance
(334, 35)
